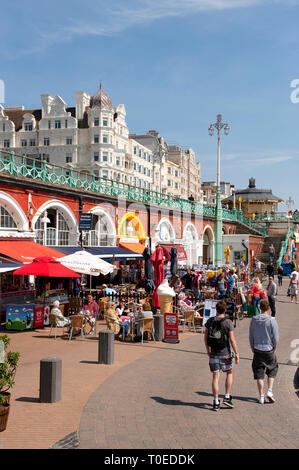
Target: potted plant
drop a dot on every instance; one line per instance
(9, 361)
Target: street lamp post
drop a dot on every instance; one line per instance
(218, 221)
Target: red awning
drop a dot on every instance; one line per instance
(26, 251)
(135, 247)
(182, 256)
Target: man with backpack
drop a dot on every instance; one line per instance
(219, 338)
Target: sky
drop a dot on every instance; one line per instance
(175, 65)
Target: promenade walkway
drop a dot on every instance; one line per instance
(164, 399)
(155, 395)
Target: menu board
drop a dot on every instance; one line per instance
(209, 310)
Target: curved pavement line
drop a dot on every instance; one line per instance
(163, 401)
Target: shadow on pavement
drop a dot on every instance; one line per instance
(235, 397)
(165, 401)
(28, 399)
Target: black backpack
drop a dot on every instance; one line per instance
(217, 338)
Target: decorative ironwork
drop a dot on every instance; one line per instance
(27, 167)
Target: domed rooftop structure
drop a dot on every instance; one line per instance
(101, 99)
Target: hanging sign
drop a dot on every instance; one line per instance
(85, 222)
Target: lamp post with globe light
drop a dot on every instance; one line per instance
(219, 125)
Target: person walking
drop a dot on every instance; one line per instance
(256, 291)
(279, 275)
(271, 253)
(219, 338)
(263, 339)
(271, 293)
(220, 286)
(270, 269)
(293, 286)
(230, 283)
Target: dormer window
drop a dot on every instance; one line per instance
(28, 126)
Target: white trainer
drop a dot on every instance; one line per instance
(270, 396)
(262, 399)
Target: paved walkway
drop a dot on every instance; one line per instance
(164, 399)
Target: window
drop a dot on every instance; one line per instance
(105, 139)
(28, 126)
(140, 169)
(169, 170)
(6, 221)
(96, 174)
(49, 124)
(135, 150)
(96, 156)
(144, 171)
(176, 185)
(176, 173)
(96, 139)
(105, 156)
(65, 124)
(96, 122)
(118, 162)
(149, 158)
(57, 124)
(69, 158)
(24, 143)
(32, 142)
(3, 127)
(69, 141)
(135, 166)
(169, 183)
(144, 155)
(140, 153)
(46, 157)
(6, 143)
(148, 172)
(105, 173)
(105, 121)
(46, 141)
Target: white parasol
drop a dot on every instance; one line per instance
(85, 263)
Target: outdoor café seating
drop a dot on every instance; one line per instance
(147, 325)
(54, 324)
(77, 322)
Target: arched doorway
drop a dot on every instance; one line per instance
(103, 231)
(12, 216)
(208, 245)
(165, 231)
(55, 225)
(190, 240)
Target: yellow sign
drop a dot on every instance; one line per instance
(130, 226)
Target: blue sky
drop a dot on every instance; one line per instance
(175, 64)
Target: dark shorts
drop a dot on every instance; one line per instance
(224, 363)
(264, 362)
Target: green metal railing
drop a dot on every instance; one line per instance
(27, 167)
(285, 245)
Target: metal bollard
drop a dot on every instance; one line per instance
(158, 325)
(50, 380)
(106, 347)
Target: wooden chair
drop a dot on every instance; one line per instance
(53, 323)
(74, 304)
(188, 318)
(77, 321)
(147, 324)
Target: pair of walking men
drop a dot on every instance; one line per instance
(263, 338)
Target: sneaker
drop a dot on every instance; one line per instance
(228, 402)
(270, 396)
(262, 399)
(216, 407)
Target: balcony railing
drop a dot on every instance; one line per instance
(35, 169)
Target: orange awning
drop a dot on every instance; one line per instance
(135, 247)
(26, 251)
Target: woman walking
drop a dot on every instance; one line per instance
(257, 294)
(293, 286)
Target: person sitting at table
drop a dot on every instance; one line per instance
(60, 319)
(121, 309)
(108, 290)
(186, 304)
(113, 322)
(92, 307)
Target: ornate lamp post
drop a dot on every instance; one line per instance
(218, 222)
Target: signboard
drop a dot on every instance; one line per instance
(85, 222)
(209, 310)
(19, 317)
(171, 328)
(38, 316)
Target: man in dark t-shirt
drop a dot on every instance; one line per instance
(219, 338)
(187, 279)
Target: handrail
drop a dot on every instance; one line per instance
(33, 168)
(284, 246)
